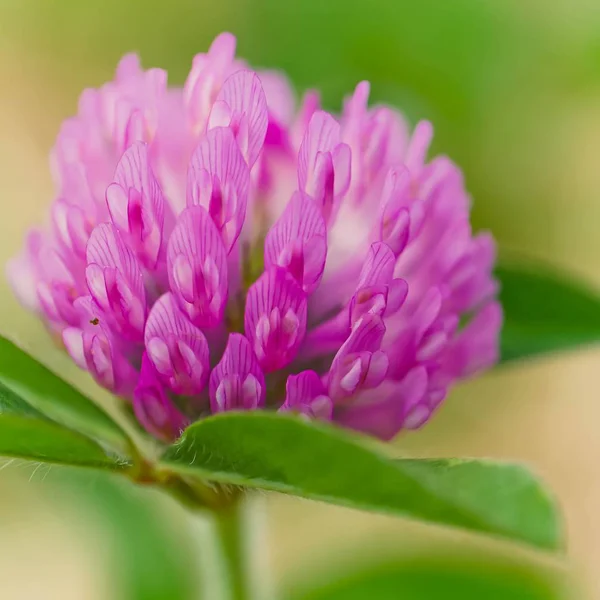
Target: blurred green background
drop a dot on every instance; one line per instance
(513, 89)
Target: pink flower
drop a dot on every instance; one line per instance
(210, 251)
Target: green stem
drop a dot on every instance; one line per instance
(232, 538)
(237, 551)
(229, 527)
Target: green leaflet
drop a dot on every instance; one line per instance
(545, 312)
(45, 441)
(313, 460)
(45, 392)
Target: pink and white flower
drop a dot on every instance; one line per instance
(210, 251)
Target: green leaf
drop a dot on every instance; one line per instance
(39, 388)
(12, 404)
(27, 433)
(32, 439)
(545, 311)
(313, 460)
(426, 578)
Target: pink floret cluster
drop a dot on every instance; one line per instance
(215, 248)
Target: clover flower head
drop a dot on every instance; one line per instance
(211, 248)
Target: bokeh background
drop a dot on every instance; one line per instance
(513, 88)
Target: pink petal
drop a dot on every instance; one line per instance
(359, 363)
(395, 218)
(73, 340)
(107, 365)
(384, 143)
(417, 417)
(129, 66)
(222, 50)
(324, 164)
(427, 311)
(412, 388)
(178, 349)
(93, 349)
(152, 407)
(379, 266)
(57, 287)
(303, 387)
(366, 336)
(298, 242)
(377, 369)
(197, 267)
(115, 281)
(476, 347)
(417, 149)
(22, 271)
(377, 292)
(342, 167)
(72, 225)
(129, 125)
(74, 182)
(356, 105)
(306, 394)
(218, 179)
(130, 105)
(137, 205)
(431, 345)
(237, 382)
(322, 135)
(397, 294)
(241, 105)
(275, 318)
(206, 78)
(384, 411)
